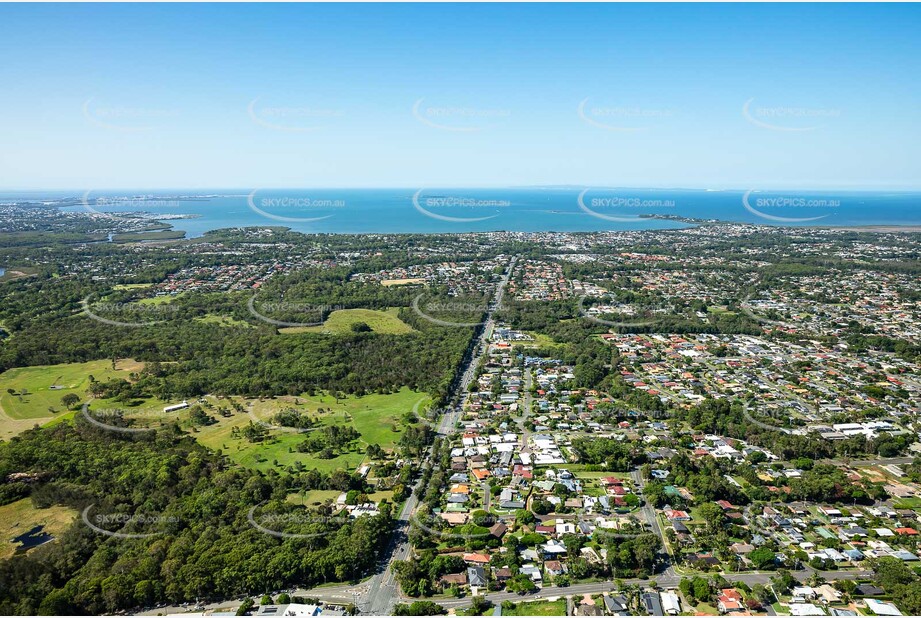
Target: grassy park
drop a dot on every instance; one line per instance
(37, 391)
(340, 322)
(378, 418)
(29, 394)
(21, 516)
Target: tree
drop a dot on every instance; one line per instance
(479, 605)
(761, 592)
(520, 583)
(686, 587)
(169, 470)
(245, 606)
(783, 582)
(419, 608)
(70, 400)
(762, 558)
(524, 517)
(713, 515)
(702, 590)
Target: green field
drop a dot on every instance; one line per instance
(532, 608)
(580, 471)
(132, 286)
(17, 272)
(706, 608)
(374, 416)
(538, 608)
(19, 517)
(33, 395)
(540, 340)
(340, 322)
(313, 497)
(377, 418)
(907, 503)
(319, 496)
(223, 320)
(159, 300)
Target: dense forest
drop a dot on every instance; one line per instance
(248, 357)
(196, 509)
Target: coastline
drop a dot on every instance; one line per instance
(881, 229)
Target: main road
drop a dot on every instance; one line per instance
(378, 596)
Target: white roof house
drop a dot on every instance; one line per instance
(883, 609)
(670, 603)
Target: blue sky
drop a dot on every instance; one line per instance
(706, 96)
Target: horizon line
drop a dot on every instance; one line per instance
(567, 186)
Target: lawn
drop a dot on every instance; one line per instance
(780, 610)
(907, 503)
(696, 518)
(22, 411)
(706, 608)
(374, 417)
(132, 286)
(315, 496)
(19, 517)
(540, 340)
(159, 300)
(147, 412)
(538, 608)
(579, 471)
(319, 496)
(340, 322)
(17, 272)
(390, 282)
(223, 320)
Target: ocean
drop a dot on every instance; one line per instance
(563, 209)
